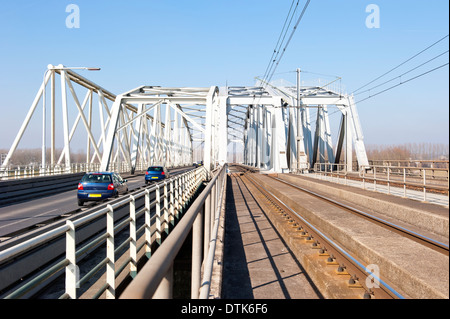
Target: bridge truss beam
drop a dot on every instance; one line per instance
(277, 127)
(145, 126)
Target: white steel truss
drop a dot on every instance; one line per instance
(278, 134)
(153, 125)
(191, 115)
(145, 126)
(67, 98)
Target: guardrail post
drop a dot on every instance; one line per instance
(404, 182)
(374, 178)
(207, 213)
(158, 215)
(166, 207)
(388, 180)
(197, 255)
(213, 207)
(148, 231)
(110, 266)
(180, 194)
(424, 185)
(71, 268)
(176, 202)
(133, 252)
(172, 204)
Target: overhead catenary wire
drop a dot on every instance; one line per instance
(404, 82)
(392, 87)
(401, 64)
(276, 50)
(403, 74)
(273, 64)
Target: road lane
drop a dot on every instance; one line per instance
(20, 216)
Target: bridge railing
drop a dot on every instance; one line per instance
(155, 280)
(170, 197)
(30, 171)
(410, 178)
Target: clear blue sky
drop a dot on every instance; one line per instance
(204, 43)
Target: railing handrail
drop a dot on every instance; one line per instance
(395, 175)
(149, 278)
(178, 191)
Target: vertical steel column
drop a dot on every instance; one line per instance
(27, 120)
(52, 120)
(88, 146)
(44, 130)
(65, 121)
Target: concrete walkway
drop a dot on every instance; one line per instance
(257, 263)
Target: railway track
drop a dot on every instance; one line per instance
(422, 239)
(346, 262)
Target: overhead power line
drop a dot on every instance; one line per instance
(403, 82)
(278, 53)
(276, 49)
(403, 63)
(403, 74)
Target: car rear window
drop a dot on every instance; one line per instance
(96, 178)
(155, 169)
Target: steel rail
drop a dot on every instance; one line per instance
(386, 290)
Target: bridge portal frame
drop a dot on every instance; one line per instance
(199, 112)
(278, 134)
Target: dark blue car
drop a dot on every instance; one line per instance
(155, 173)
(99, 186)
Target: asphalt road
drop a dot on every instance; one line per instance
(20, 216)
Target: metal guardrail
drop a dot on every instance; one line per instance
(31, 171)
(155, 278)
(424, 178)
(170, 200)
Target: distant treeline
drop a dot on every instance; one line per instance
(408, 151)
(26, 157)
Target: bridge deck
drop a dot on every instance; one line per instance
(257, 263)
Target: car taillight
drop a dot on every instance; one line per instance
(80, 186)
(111, 187)
(163, 173)
(146, 173)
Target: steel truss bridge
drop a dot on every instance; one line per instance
(141, 233)
(152, 125)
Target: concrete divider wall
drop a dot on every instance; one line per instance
(434, 221)
(411, 276)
